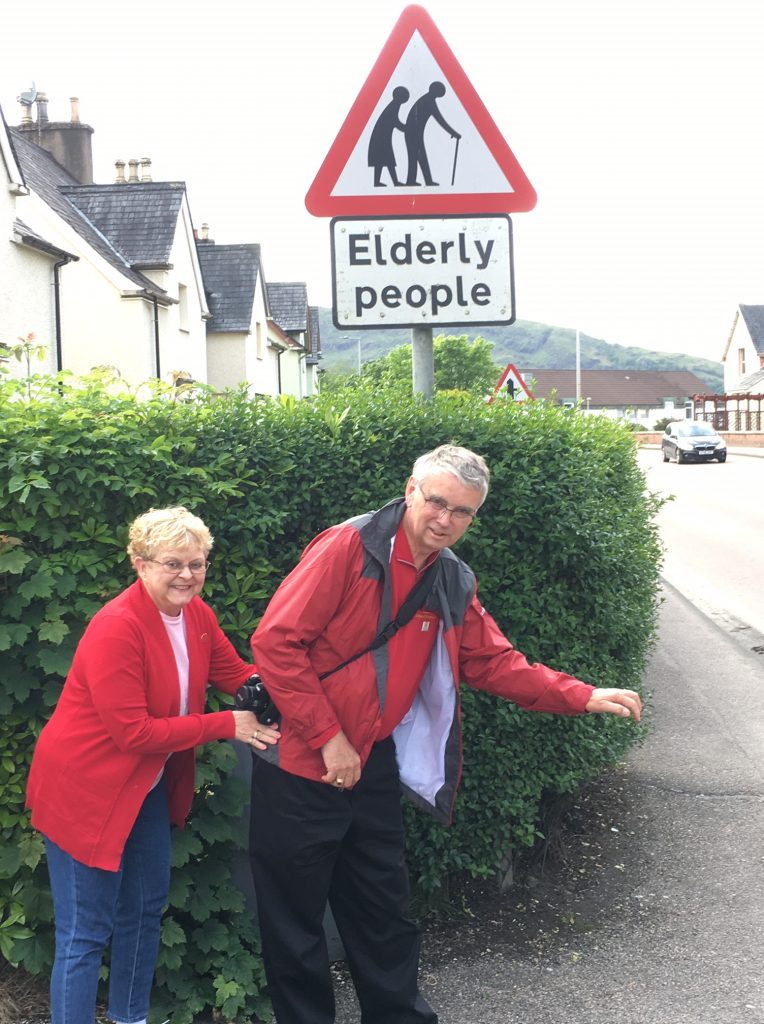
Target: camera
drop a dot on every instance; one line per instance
(253, 696)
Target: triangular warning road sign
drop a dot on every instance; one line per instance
(512, 386)
(418, 139)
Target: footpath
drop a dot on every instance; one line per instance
(658, 917)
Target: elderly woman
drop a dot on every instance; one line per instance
(115, 764)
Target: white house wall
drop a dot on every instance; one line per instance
(100, 328)
(100, 325)
(184, 336)
(265, 379)
(226, 360)
(233, 360)
(97, 326)
(26, 285)
(26, 302)
(293, 373)
(741, 338)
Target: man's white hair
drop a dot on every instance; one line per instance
(469, 468)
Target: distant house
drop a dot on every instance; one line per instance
(743, 356)
(238, 303)
(244, 342)
(641, 396)
(122, 285)
(29, 263)
(114, 275)
(288, 301)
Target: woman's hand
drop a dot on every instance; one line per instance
(249, 730)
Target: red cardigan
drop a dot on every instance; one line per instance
(117, 721)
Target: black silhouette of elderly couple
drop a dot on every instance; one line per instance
(381, 150)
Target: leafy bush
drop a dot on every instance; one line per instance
(565, 551)
(459, 365)
(660, 425)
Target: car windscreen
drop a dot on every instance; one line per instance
(695, 430)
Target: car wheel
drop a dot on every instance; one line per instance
(665, 455)
(679, 457)
(722, 458)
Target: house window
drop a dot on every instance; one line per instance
(259, 340)
(183, 307)
(741, 361)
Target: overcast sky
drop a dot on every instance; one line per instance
(640, 123)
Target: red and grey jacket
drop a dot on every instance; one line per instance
(332, 605)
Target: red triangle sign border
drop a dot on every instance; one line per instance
(319, 199)
(511, 371)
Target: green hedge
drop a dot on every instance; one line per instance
(566, 553)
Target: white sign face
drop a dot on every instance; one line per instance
(418, 140)
(428, 272)
(448, 147)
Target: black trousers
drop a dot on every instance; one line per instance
(311, 843)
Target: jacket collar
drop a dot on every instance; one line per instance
(377, 533)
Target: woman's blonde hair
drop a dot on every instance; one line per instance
(161, 528)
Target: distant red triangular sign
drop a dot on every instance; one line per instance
(512, 386)
(418, 139)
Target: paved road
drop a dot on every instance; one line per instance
(712, 532)
(683, 941)
(666, 923)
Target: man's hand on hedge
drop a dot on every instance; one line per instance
(625, 703)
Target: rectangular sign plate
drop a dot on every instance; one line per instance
(422, 271)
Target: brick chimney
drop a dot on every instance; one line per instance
(68, 142)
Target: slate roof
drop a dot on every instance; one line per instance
(230, 274)
(753, 384)
(36, 241)
(139, 219)
(288, 301)
(48, 179)
(8, 153)
(617, 388)
(754, 321)
(282, 339)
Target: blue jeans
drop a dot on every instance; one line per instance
(93, 907)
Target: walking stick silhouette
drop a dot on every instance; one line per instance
(456, 154)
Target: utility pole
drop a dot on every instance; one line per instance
(422, 362)
(578, 365)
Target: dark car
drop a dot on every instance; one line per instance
(692, 441)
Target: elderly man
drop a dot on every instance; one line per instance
(358, 724)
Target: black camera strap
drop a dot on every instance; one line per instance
(415, 600)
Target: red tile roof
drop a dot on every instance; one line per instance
(616, 388)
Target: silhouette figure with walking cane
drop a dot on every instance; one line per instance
(381, 152)
(416, 122)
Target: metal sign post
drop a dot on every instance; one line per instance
(420, 154)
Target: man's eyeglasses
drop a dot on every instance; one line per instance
(439, 506)
(174, 567)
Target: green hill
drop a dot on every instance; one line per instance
(523, 343)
